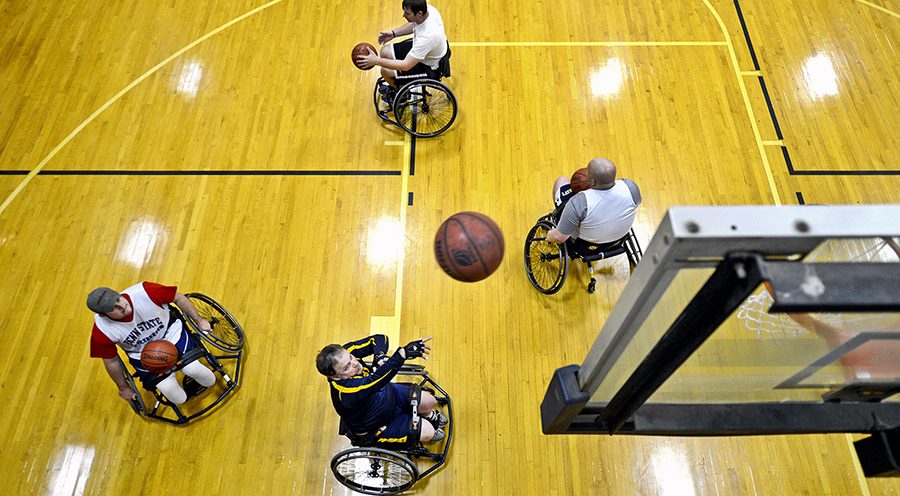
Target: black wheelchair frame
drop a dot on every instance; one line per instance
(547, 264)
(228, 338)
(395, 469)
(424, 107)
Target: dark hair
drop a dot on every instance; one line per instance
(415, 6)
(325, 359)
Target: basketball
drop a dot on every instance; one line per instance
(159, 356)
(361, 49)
(468, 246)
(579, 181)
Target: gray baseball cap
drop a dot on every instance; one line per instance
(102, 300)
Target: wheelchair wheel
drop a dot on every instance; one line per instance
(425, 108)
(374, 470)
(227, 334)
(546, 262)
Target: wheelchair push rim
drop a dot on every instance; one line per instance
(374, 470)
(227, 334)
(425, 108)
(546, 263)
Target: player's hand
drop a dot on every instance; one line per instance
(204, 326)
(367, 61)
(127, 393)
(417, 348)
(385, 36)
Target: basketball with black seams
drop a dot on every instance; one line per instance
(159, 356)
(359, 50)
(469, 246)
(579, 181)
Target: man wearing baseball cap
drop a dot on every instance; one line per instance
(133, 318)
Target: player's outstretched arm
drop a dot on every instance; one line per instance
(184, 303)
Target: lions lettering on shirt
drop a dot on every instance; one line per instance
(149, 323)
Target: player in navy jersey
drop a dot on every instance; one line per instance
(371, 406)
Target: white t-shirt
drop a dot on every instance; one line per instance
(150, 322)
(429, 39)
(601, 216)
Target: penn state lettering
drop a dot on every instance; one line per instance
(139, 335)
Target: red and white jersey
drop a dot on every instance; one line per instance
(149, 321)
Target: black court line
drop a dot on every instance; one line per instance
(772, 115)
(254, 172)
(412, 153)
(409, 198)
(800, 198)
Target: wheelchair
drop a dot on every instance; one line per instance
(226, 336)
(547, 263)
(368, 469)
(423, 107)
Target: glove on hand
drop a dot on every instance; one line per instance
(415, 349)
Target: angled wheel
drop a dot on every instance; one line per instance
(425, 108)
(227, 334)
(374, 470)
(546, 262)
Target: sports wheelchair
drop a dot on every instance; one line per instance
(391, 470)
(423, 107)
(226, 336)
(547, 263)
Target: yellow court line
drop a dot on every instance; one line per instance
(120, 94)
(773, 143)
(750, 73)
(750, 114)
(860, 476)
(581, 43)
(879, 7)
(389, 325)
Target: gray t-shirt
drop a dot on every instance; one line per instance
(601, 216)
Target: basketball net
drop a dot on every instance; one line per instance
(754, 310)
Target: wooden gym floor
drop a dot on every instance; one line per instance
(230, 147)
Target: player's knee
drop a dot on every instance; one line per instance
(171, 390)
(427, 402)
(200, 373)
(387, 51)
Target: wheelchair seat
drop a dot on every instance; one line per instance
(546, 263)
(226, 336)
(370, 467)
(423, 106)
(443, 70)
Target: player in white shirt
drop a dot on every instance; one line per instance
(132, 319)
(414, 58)
(602, 214)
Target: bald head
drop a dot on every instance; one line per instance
(602, 173)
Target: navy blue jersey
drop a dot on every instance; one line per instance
(363, 401)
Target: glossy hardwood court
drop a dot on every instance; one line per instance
(230, 147)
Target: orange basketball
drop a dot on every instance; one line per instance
(159, 356)
(580, 181)
(361, 49)
(468, 246)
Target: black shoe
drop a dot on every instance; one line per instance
(439, 435)
(191, 387)
(437, 419)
